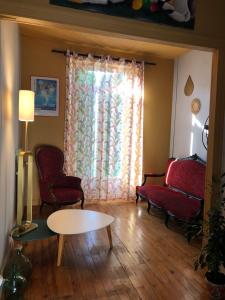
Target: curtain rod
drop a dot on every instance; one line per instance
(64, 52)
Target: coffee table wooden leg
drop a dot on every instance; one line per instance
(60, 249)
(109, 236)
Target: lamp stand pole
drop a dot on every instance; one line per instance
(26, 137)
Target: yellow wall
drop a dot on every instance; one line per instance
(37, 59)
(157, 115)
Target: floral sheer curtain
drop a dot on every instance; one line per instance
(103, 126)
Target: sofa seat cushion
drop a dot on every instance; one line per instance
(66, 195)
(153, 192)
(176, 203)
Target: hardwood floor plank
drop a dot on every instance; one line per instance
(148, 261)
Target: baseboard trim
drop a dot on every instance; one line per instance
(116, 201)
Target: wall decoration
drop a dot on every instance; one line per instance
(189, 87)
(195, 106)
(171, 12)
(46, 95)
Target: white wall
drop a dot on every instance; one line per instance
(186, 128)
(9, 82)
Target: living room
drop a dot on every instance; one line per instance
(128, 271)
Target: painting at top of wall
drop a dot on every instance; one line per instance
(179, 13)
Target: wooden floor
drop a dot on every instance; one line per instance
(148, 261)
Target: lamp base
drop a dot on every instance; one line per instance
(20, 230)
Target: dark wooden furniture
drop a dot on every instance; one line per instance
(55, 187)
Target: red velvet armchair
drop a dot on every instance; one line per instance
(55, 187)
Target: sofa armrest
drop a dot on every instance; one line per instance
(146, 175)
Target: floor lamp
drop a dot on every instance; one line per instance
(25, 167)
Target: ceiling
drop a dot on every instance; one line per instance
(103, 44)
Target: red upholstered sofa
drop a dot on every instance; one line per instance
(182, 194)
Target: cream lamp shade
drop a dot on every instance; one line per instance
(26, 105)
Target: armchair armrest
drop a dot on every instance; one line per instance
(146, 175)
(67, 182)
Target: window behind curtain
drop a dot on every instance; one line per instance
(103, 127)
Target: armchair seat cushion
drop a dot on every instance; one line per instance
(67, 182)
(66, 195)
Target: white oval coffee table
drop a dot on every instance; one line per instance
(77, 221)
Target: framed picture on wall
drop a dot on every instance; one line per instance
(46, 95)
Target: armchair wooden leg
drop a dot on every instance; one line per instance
(82, 202)
(149, 207)
(137, 197)
(56, 206)
(41, 206)
(167, 220)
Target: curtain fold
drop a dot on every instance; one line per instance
(103, 126)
